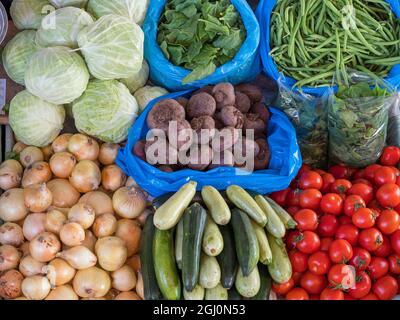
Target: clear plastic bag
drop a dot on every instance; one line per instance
(393, 132)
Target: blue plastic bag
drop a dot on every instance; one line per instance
(263, 13)
(284, 165)
(245, 66)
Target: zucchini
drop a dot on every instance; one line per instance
(151, 289)
(159, 201)
(210, 272)
(217, 293)
(212, 243)
(249, 286)
(179, 243)
(216, 204)
(168, 215)
(265, 284)
(274, 225)
(197, 293)
(227, 258)
(285, 217)
(164, 265)
(194, 220)
(280, 269)
(234, 295)
(241, 199)
(263, 245)
(246, 242)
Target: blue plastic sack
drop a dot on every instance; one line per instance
(264, 12)
(284, 165)
(245, 66)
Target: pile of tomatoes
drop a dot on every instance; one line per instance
(347, 242)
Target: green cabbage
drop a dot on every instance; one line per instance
(135, 10)
(138, 79)
(61, 27)
(34, 121)
(69, 3)
(112, 47)
(106, 110)
(28, 14)
(57, 75)
(146, 94)
(17, 53)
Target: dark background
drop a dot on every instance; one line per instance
(7, 4)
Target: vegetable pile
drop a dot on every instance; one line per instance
(347, 242)
(311, 40)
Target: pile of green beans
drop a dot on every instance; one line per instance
(310, 41)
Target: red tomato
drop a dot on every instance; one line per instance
(395, 170)
(319, 263)
(296, 278)
(395, 241)
(390, 156)
(374, 205)
(325, 244)
(320, 171)
(340, 186)
(283, 288)
(363, 218)
(362, 286)
(327, 180)
(352, 203)
(369, 172)
(358, 174)
(348, 297)
(384, 175)
(298, 260)
(304, 168)
(394, 263)
(361, 258)
(386, 288)
(370, 296)
(370, 239)
(292, 239)
(293, 210)
(378, 267)
(388, 221)
(341, 276)
(312, 283)
(344, 220)
(293, 197)
(340, 251)
(384, 250)
(308, 242)
(306, 220)
(280, 197)
(310, 180)
(339, 172)
(297, 294)
(389, 195)
(398, 180)
(349, 233)
(364, 191)
(328, 225)
(332, 294)
(363, 181)
(397, 209)
(332, 203)
(310, 199)
(314, 297)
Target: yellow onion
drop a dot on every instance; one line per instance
(10, 284)
(9, 257)
(111, 294)
(130, 182)
(139, 286)
(130, 232)
(85, 176)
(38, 197)
(127, 296)
(30, 267)
(64, 292)
(35, 287)
(18, 147)
(24, 248)
(143, 216)
(83, 147)
(64, 194)
(91, 283)
(90, 240)
(83, 214)
(134, 262)
(129, 202)
(11, 234)
(100, 201)
(30, 155)
(72, 234)
(59, 272)
(112, 177)
(108, 153)
(111, 253)
(47, 152)
(104, 225)
(62, 164)
(44, 247)
(124, 279)
(34, 224)
(12, 205)
(55, 219)
(39, 172)
(79, 257)
(10, 174)
(60, 144)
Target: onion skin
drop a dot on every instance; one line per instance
(10, 174)
(9, 257)
(34, 224)
(124, 279)
(79, 257)
(12, 206)
(90, 240)
(139, 286)
(105, 225)
(129, 202)
(30, 267)
(62, 164)
(47, 152)
(127, 296)
(143, 216)
(82, 214)
(72, 234)
(108, 153)
(37, 197)
(30, 155)
(24, 249)
(85, 176)
(11, 234)
(64, 194)
(111, 253)
(64, 292)
(59, 272)
(18, 147)
(44, 247)
(83, 147)
(100, 201)
(55, 219)
(10, 284)
(35, 287)
(91, 283)
(60, 144)
(134, 262)
(131, 233)
(112, 178)
(39, 172)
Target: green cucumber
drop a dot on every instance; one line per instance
(263, 245)
(285, 217)
(246, 242)
(248, 286)
(212, 243)
(179, 243)
(164, 265)
(210, 272)
(217, 293)
(216, 204)
(227, 258)
(265, 284)
(274, 226)
(194, 220)
(280, 269)
(197, 293)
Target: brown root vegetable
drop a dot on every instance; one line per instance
(38, 197)
(10, 284)
(159, 151)
(104, 225)
(182, 101)
(232, 117)
(85, 176)
(129, 202)
(205, 129)
(38, 172)
(252, 91)
(225, 139)
(9, 258)
(219, 125)
(44, 247)
(30, 155)
(253, 122)
(181, 138)
(262, 110)
(246, 148)
(64, 194)
(11, 234)
(12, 205)
(222, 159)
(224, 95)
(263, 158)
(83, 147)
(200, 158)
(60, 144)
(100, 201)
(163, 112)
(131, 232)
(139, 149)
(34, 224)
(47, 152)
(166, 168)
(112, 177)
(201, 104)
(62, 164)
(10, 174)
(206, 89)
(108, 153)
(242, 103)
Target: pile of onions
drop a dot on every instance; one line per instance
(62, 164)
(108, 153)
(83, 147)
(10, 174)
(82, 214)
(35, 287)
(64, 194)
(111, 252)
(124, 279)
(55, 220)
(112, 178)
(60, 144)
(34, 224)
(72, 234)
(91, 283)
(30, 267)
(44, 247)
(9, 257)
(30, 155)
(37, 173)
(38, 197)
(129, 202)
(12, 205)
(10, 284)
(85, 176)
(64, 292)
(105, 225)
(99, 201)
(11, 234)
(79, 257)
(130, 232)
(59, 272)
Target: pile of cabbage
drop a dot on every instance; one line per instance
(83, 55)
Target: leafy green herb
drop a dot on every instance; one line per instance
(200, 35)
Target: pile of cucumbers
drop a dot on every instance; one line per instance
(214, 246)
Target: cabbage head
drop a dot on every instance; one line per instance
(61, 27)
(146, 94)
(28, 14)
(34, 121)
(17, 53)
(112, 47)
(57, 75)
(135, 10)
(138, 79)
(106, 110)
(69, 3)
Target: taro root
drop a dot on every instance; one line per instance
(222, 159)
(138, 149)
(162, 153)
(182, 101)
(254, 122)
(163, 112)
(232, 117)
(250, 90)
(225, 139)
(224, 95)
(242, 103)
(204, 127)
(218, 122)
(206, 89)
(261, 162)
(262, 110)
(201, 104)
(181, 138)
(166, 168)
(246, 148)
(200, 158)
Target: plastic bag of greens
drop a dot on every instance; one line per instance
(393, 132)
(309, 117)
(358, 118)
